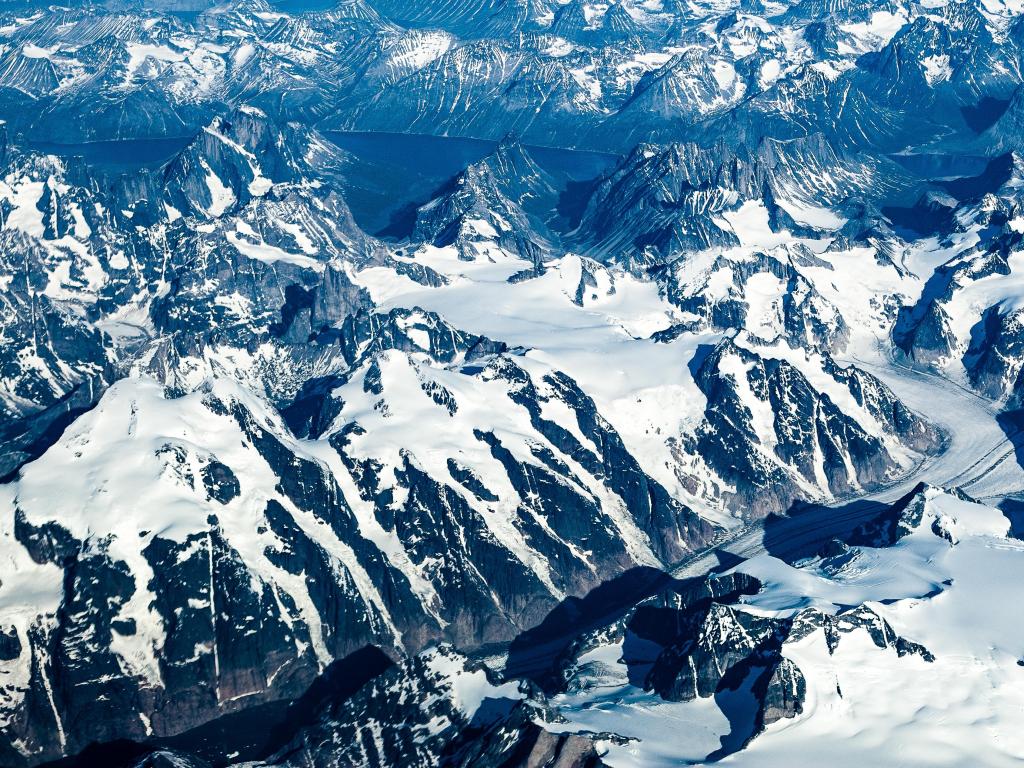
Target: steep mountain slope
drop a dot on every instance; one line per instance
(777, 657)
(870, 634)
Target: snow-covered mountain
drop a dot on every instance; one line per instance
(515, 383)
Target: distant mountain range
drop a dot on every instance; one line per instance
(511, 383)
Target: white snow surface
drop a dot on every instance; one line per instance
(865, 705)
(642, 387)
(121, 486)
(468, 687)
